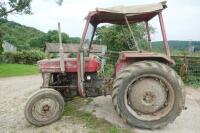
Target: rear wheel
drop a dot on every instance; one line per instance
(44, 107)
(148, 94)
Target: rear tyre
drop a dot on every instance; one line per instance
(148, 94)
(44, 107)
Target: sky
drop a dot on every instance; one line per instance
(181, 18)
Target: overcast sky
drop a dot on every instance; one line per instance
(182, 17)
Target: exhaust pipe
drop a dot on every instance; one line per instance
(61, 52)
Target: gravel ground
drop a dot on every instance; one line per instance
(187, 122)
(14, 92)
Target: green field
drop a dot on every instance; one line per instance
(8, 70)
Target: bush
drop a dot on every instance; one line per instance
(29, 57)
(194, 81)
(1, 48)
(108, 71)
(23, 57)
(1, 58)
(8, 57)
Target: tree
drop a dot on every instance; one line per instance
(37, 42)
(118, 38)
(17, 6)
(52, 36)
(74, 40)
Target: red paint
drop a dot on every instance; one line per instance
(53, 65)
(127, 58)
(121, 64)
(164, 34)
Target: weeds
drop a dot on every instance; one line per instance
(194, 81)
(97, 125)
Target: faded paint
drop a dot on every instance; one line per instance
(129, 57)
(52, 65)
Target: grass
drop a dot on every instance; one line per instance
(96, 125)
(8, 70)
(193, 81)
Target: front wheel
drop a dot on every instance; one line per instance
(44, 107)
(148, 94)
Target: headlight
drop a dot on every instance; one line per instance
(88, 77)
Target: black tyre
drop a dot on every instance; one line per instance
(148, 94)
(44, 107)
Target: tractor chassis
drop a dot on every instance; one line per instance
(105, 85)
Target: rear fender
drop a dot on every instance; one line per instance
(127, 58)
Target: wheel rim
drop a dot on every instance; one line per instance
(149, 97)
(45, 109)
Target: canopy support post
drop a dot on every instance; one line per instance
(148, 35)
(164, 34)
(129, 27)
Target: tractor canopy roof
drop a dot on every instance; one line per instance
(115, 15)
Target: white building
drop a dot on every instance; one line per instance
(8, 47)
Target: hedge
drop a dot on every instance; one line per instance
(22, 57)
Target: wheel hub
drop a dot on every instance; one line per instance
(147, 95)
(45, 109)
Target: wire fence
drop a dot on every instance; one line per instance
(188, 67)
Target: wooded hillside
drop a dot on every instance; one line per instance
(24, 37)
(177, 45)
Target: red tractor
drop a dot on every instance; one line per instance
(145, 91)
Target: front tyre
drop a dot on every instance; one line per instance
(44, 107)
(148, 94)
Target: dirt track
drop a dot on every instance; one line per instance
(15, 91)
